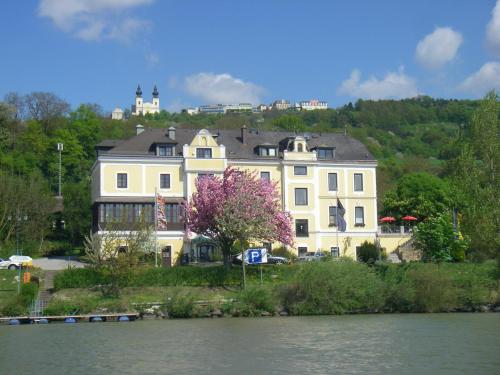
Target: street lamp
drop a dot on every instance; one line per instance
(60, 148)
(18, 219)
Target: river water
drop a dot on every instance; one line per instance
(360, 344)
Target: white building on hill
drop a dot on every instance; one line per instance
(142, 108)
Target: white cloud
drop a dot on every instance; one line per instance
(485, 79)
(222, 88)
(92, 20)
(493, 30)
(395, 85)
(438, 47)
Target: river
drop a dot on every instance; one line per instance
(356, 344)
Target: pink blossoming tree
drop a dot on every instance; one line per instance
(238, 206)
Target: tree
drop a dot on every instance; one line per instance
(438, 240)
(46, 108)
(238, 207)
(476, 175)
(77, 210)
(290, 123)
(419, 194)
(115, 253)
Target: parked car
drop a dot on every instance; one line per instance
(15, 261)
(309, 257)
(7, 264)
(23, 260)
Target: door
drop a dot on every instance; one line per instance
(166, 256)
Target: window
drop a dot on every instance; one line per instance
(265, 176)
(165, 150)
(300, 148)
(301, 228)
(204, 153)
(358, 182)
(267, 151)
(302, 250)
(300, 170)
(358, 250)
(325, 153)
(359, 219)
(121, 180)
(164, 181)
(332, 182)
(334, 251)
(301, 196)
(332, 213)
(201, 175)
(172, 212)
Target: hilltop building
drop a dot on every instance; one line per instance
(316, 174)
(311, 105)
(142, 108)
(280, 105)
(117, 114)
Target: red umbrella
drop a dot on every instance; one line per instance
(409, 218)
(387, 219)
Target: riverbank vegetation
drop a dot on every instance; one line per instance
(12, 303)
(315, 288)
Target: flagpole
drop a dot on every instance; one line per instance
(156, 228)
(337, 220)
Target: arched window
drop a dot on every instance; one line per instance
(299, 147)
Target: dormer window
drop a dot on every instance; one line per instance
(164, 150)
(266, 151)
(325, 152)
(300, 148)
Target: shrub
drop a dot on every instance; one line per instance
(15, 306)
(253, 300)
(60, 306)
(333, 288)
(180, 305)
(399, 290)
(368, 253)
(434, 290)
(78, 278)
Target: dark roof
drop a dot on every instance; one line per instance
(346, 148)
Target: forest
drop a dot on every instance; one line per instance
(438, 160)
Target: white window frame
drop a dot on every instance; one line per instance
(354, 183)
(356, 223)
(295, 197)
(336, 181)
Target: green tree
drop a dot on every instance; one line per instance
(476, 175)
(77, 212)
(438, 240)
(290, 123)
(419, 194)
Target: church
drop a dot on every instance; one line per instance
(141, 107)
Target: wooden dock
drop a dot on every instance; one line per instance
(71, 318)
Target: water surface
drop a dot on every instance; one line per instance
(362, 344)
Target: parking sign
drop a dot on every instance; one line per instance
(256, 255)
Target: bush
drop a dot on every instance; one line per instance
(60, 306)
(434, 290)
(180, 305)
(333, 288)
(368, 253)
(19, 304)
(253, 300)
(78, 278)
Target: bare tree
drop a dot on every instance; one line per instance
(46, 108)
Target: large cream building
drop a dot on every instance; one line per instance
(313, 172)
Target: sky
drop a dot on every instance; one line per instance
(230, 51)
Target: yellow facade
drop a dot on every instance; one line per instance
(296, 170)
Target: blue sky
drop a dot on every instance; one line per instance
(200, 52)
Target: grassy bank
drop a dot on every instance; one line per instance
(12, 303)
(333, 287)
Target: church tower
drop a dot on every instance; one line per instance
(138, 101)
(156, 99)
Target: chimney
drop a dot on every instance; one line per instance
(139, 129)
(171, 133)
(244, 135)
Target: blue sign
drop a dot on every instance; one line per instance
(256, 255)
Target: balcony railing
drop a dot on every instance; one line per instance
(396, 229)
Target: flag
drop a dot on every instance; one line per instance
(341, 224)
(161, 220)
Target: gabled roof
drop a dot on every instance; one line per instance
(346, 148)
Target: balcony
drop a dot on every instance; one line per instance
(396, 230)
